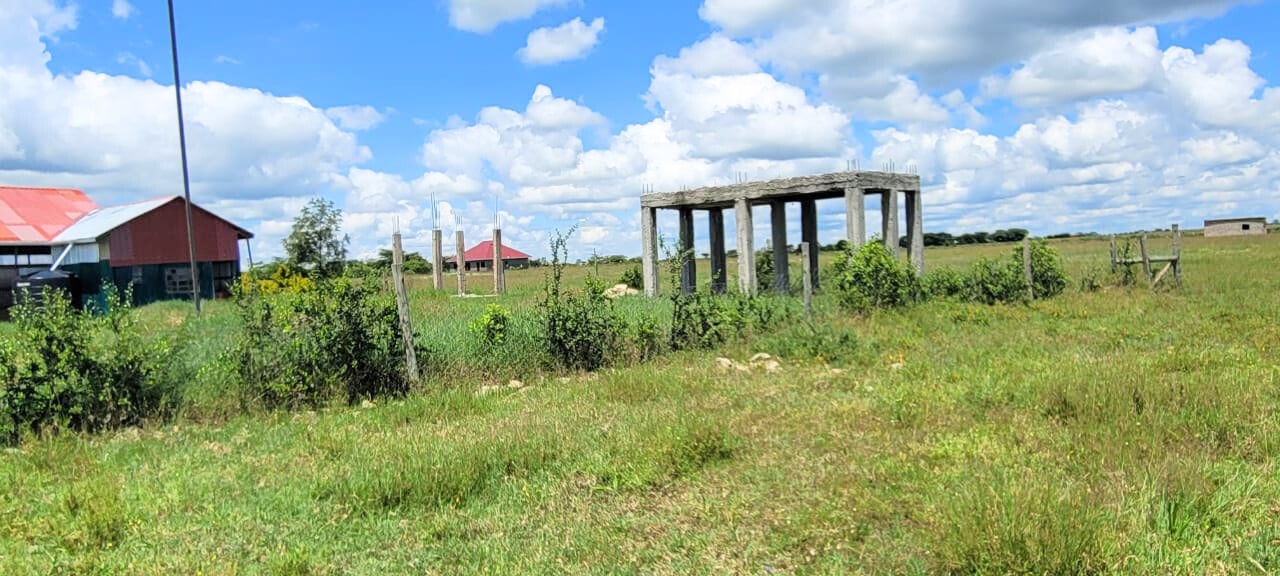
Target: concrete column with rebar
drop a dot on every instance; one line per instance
(688, 262)
(649, 250)
(746, 247)
(719, 256)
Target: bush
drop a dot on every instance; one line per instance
(582, 329)
(870, 277)
(633, 277)
(945, 283)
(492, 325)
(993, 280)
(1048, 275)
(305, 349)
(764, 270)
(71, 370)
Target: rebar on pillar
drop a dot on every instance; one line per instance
(499, 267)
(889, 220)
(688, 266)
(746, 246)
(719, 260)
(649, 250)
(809, 234)
(778, 220)
(855, 216)
(461, 261)
(915, 231)
(437, 259)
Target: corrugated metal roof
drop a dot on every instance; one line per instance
(103, 220)
(484, 251)
(39, 214)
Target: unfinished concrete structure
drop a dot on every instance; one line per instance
(807, 190)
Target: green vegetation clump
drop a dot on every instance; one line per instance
(492, 326)
(633, 277)
(582, 329)
(870, 277)
(341, 338)
(68, 369)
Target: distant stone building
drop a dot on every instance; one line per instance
(1235, 227)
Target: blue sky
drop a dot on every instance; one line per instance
(1055, 116)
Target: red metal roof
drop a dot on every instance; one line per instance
(39, 214)
(484, 251)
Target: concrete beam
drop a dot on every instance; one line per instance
(649, 250)
(719, 260)
(855, 216)
(746, 247)
(822, 186)
(889, 220)
(688, 262)
(809, 233)
(778, 220)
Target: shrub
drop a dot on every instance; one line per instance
(702, 320)
(70, 370)
(995, 280)
(945, 283)
(870, 277)
(764, 270)
(1048, 275)
(303, 349)
(633, 277)
(582, 329)
(492, 325)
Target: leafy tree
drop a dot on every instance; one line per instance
(414, 263)
(316, 243)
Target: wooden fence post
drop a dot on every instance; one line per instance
(1113, 254)
(402, 307)
(1146, 258)
(1177, 256)
(806, 267)
(1026, 268)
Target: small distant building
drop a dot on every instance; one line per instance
(1235, 227)
(143, 244)
(480, 258)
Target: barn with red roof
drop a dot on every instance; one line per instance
(142, 245)
(480, 258)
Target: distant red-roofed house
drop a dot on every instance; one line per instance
(480, 258)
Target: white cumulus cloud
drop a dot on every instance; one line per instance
(484, 15)
(569, 41)
(355, 118)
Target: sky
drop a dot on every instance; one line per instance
(546, 115)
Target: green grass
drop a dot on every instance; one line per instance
(1117, 432)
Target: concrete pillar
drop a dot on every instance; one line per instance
(915, 230)
(688, 261)
(719, 262)
(649, 249)
(437, 260)
(746, 246)
(809, 233)
(855, 216)
(461, 259)
(889, 220)
(778, 219)
(499, 267)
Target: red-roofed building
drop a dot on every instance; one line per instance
(141, 244)
(480, 258)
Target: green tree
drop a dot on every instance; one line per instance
(316, 244)
(414, 263)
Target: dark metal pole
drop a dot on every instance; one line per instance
(186, 178)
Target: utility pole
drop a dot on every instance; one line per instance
(186, 176)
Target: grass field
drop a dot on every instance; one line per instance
(1123, 431)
